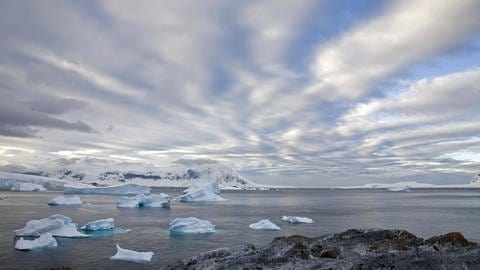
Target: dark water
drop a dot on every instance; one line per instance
(423, 212)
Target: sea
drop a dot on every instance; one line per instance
(424, 212)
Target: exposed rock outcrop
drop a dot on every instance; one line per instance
(352, 249)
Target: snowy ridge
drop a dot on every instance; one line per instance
(475, 183)
(178, 176)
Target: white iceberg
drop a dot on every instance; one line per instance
(399, 189)
(45, 240)
(7, 180)
(202, 192)
(191, 225)
(131, 255)
(295, 219)
(147, 201)
(20, 186)
(64, 200)
(57, 225)
(124, 189)
(101, 224)
(264, 224)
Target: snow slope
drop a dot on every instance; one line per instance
(180, 176)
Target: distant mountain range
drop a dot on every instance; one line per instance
(178, 176)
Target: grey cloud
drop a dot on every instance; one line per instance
(193, 162)
(55, 106)
(16, 119)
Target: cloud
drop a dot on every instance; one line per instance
(407, 32)
(17, 120)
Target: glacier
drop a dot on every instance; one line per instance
(201, 192)
(295, 219)
(131, 255)
(264, 224)
(191, 225)
(45, 240)
(100, 224)
(66, 200)
(147, 201)
(123, 189)
(7, 180)
(27, 187)
(57, 225)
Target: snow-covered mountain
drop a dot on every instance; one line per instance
(176, 176)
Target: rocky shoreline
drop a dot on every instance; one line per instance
(353, 249)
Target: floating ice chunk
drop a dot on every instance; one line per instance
(124, 189)
(399, 189)
(141, 200)
(64, 200)
(130, 255)
(57, 225)
(264, 224)
(19, 186)
(294, 219)
(101, 224)
(191, 225)
(45, 240)
(202, 192)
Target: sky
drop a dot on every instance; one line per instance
(307, 93)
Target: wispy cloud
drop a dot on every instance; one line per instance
(154, 82)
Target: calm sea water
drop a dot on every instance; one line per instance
(423, 212)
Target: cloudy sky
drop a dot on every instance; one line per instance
(311, 93)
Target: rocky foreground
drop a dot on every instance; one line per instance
(352, 249)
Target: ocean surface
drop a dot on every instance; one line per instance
(424, 212)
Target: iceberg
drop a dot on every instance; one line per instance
(64, 200)
(191, 225)
(295, 219)
(57, 225)
(124, 189)
(264, 224)
(101, 224)
(45, 240)
(7, 180)
(131, 255)
(399, 189)
(147, 201)
(201, 192)
(19, 186)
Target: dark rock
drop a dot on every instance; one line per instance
(449, 240)
(331, 252)
(350, 250)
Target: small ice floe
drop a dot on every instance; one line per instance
(399, 189)
(295, 219)
(45, 240)
(57, 225)
(131, 255)
(202, 192)
(20, 186)
(147, 201)
(123, 189)
(65, 200)
(191, 225)
(264, 224)
(98, 225)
